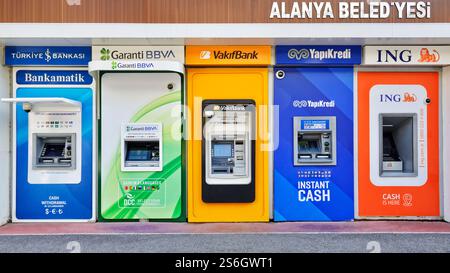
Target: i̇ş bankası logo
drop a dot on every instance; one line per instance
(48, 55)
(315, 54)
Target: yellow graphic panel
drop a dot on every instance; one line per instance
(205, 84)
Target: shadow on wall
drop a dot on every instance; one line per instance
(4, 145)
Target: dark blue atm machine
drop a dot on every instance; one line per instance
(313, 151)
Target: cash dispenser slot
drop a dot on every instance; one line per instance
(398, 145)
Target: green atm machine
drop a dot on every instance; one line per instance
(141, 143)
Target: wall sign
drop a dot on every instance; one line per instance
(407, 55)
(47, 55)
(229, 11)
(53, 77)
(351, 9)
(320, 55)
(143, 53)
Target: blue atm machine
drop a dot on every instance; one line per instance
(53, 134)
(313, 89)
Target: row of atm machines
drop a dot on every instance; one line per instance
(203, 154)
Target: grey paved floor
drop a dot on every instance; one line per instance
(261, 242)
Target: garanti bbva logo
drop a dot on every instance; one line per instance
(104, 54)
(107, 54)
(229, 55)
(316, 54)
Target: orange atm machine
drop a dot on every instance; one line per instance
(399, 144)
(227, 91)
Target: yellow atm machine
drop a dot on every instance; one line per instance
(227, 89)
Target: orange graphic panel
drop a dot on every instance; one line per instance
(398, 197)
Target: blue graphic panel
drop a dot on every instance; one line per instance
(70, 201)
(314, 192)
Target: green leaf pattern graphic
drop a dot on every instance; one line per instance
(168, 197)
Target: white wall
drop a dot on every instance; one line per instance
(446, 140)
(4, 145)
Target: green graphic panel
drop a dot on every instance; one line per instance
(149, 195)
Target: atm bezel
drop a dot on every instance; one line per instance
(35, 154)
(381, 173)
(229, 193)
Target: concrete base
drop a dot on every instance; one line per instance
(359, 236)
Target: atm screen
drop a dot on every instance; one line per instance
(309, 146)
(222, 150)
(53, 150)
(141, 151)
(139, 155)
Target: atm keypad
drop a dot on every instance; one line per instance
(64, 124)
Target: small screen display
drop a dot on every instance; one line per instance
(314, 125)
(222, 150)
(138, 155)
(309, 146)
(142, 151)
(54, 150)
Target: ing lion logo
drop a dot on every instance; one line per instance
(409, 97)
(427, 57)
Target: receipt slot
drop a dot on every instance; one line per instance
(314, 141)
(228, 148)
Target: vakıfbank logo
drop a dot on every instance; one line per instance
(229, 55)
(205, 54)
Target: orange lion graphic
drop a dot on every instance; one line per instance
(427, 57)
(409, 98)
